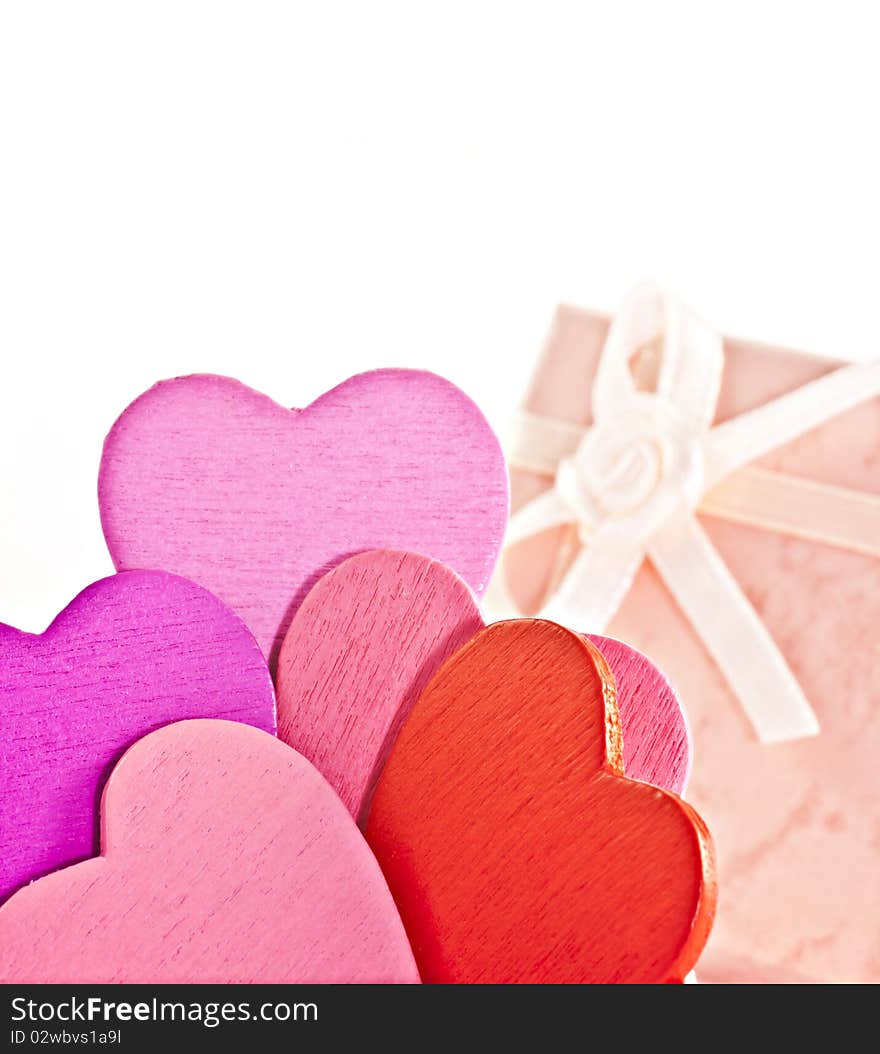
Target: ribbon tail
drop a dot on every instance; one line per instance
(596, 583)
(591, 590)
(801, 508)
(745, 438)
(539, 515)
(732, 632)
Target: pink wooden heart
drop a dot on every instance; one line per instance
(129, 654)
(212, 480)
(656, 737)
(369, 637)
(226, 858)
(361, 648)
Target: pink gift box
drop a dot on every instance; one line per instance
(796, 824)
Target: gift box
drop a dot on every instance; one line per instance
(744, 559)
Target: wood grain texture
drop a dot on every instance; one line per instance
(225, 858)
(358, 653)
(513, 845)
(209, 479)
(370, 635)
(129, 654)
(656, 738)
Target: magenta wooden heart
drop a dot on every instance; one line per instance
(129, 654)
(369, 637)
(209, 479)
(226, 858)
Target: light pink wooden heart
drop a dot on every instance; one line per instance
(209, 479)
(226, 859)
(369, 637)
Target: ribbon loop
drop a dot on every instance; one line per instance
(681, 351)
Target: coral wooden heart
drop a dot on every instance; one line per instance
(514, 847)
(206, 478)
(129, 654)
(370, 635)
(226, 859)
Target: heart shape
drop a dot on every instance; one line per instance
(514, 847)
(656, 738)
(360, 649)
(129, 654)
(366, 641)
(209, 479)
(203, 877)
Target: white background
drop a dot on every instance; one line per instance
(290, 193)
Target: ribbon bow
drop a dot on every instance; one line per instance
(633, 481)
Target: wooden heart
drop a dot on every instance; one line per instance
(206, 478)
(514, 847)
(226, 859)
(359, 651)
(129, 654)
(368, 638)
(656, 738)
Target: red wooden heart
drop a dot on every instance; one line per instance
(514, 846)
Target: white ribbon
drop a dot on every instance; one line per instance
(632, 482)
